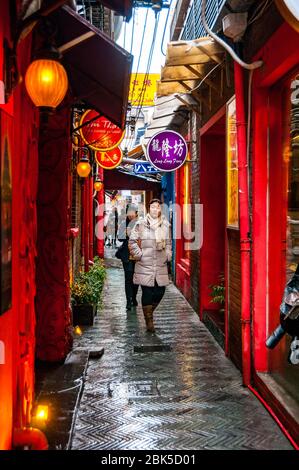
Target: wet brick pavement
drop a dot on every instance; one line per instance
(171, 391)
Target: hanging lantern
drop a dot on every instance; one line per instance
(83, 167)
(98, 185)
(46, 83)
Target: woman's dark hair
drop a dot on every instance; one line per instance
(132, 208)
(153, 201)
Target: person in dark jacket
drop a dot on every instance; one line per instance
(128, 262)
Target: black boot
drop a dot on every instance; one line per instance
(129, 305)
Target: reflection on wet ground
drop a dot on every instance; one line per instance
(172, 390)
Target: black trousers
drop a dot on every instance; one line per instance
(130, 288)
(152, 295)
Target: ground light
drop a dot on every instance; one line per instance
(78, 330)
(42, 413)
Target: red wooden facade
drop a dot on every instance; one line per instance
(19, 125)
(222, 247)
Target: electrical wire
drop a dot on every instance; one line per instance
(143, 89)
(125, 30)
(133, 27)
(142, 93)
(135, 78)
(259, 11)
(166, 22)
(251, 66)
(140, 52)
(204, 78)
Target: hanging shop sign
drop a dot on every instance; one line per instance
(109, 159)
(167, 150)
(144, 167)
(143, 88)
(100, 133)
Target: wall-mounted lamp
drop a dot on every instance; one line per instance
(83, 167)
(98, 184)
(46, 83)
(46, 79)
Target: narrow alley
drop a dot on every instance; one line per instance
(171, 390)
(149, 230)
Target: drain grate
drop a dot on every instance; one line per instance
(152, 348)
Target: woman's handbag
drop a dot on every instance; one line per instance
(122, 252)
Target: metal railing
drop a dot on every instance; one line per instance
(192, 27)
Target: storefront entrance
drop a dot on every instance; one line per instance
(213, 197)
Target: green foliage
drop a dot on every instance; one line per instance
(87, 287)
(218, 291)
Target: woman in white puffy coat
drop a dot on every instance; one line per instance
(150, 246)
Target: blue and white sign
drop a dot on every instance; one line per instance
(144, 167)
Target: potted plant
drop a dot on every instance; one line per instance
(218, 293)
(86, 293)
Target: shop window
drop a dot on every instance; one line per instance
(232, 166)
(285, 374)
(185, 200)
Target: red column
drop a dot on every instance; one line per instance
(86, 224)
(82, 218)
(91, 215)
(53, 213)
(100, 218)
(244, 224)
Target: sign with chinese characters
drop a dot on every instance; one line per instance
(143, 88)
(167, 150)
(232, 166)
(100, 133)
(144, 167)
(109, 159)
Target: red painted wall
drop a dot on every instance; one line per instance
(267, 240)
(280, 56)
(19, 121)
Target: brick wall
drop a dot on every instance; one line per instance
(234, 297)
(194, 255)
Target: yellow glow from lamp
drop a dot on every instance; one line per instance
(42, 413)
(78, 330)
(46, 82)
(83, 168)
(98, 185)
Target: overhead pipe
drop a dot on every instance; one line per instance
(245, 241)
(33, 438)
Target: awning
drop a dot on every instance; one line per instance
(98, 69)
(171, 113)
(187, 63)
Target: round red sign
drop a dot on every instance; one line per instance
(100, 134)
(109, 159)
